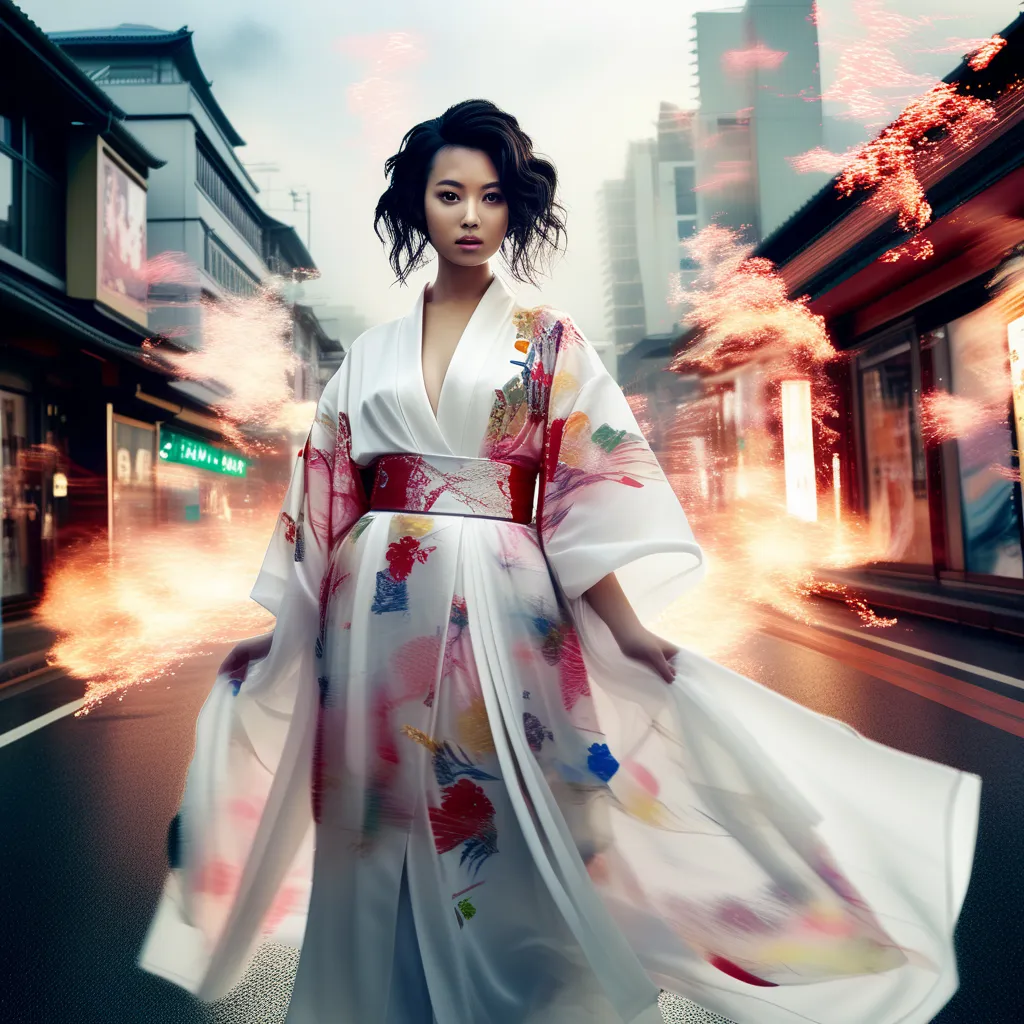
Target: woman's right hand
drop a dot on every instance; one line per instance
(236, 664)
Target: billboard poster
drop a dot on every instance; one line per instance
(123, 234)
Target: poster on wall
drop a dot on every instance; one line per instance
(122, 268)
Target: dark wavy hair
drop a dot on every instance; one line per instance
(536, 220)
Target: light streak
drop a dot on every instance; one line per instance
(837, 488)
(798, 448)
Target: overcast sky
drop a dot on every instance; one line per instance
(582, 76)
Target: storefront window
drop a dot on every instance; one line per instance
(134, 492)
(990, 493)
(896, 486)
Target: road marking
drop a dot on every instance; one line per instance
(977, 670)
(1005, 713)
(38, 723)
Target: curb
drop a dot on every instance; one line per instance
(15, 669)
(948, 609)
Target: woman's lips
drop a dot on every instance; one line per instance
(470, 245)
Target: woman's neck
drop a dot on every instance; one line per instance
(459, 284)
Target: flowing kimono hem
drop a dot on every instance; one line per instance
(174, 950)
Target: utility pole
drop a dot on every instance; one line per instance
(299, 197)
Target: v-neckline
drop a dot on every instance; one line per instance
(436, 416)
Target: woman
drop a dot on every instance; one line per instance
(526, 806)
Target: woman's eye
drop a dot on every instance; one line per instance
(449, 197)
(495, 196)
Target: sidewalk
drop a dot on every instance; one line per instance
(967, 603)
(25, 643)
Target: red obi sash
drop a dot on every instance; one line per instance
(451, 485)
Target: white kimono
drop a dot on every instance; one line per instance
(512, 821)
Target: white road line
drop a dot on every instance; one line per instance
(38, 723)
(976, 670)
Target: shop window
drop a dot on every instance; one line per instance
(894, 463)
(990, 492)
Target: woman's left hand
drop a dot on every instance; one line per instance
(642, 645)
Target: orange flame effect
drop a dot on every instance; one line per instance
(137, 616)
(760, 557)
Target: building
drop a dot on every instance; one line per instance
(203, 206)
(203, 203)
(760, 105)
(73, 192)
(930, 391)
(645, 217)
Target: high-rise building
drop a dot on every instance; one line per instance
(646, 215)
(760, 106)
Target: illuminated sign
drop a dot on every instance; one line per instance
(798, 450)
(190, 451)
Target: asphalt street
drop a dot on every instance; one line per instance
(85, 802)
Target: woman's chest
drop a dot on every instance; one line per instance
(482, 397)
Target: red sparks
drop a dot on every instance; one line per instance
(888, 162)
(754, 58)
(916, 249)
(980, 58)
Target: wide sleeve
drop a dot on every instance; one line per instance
(324, 499)
(605, 505)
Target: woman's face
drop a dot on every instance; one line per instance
(467, 216)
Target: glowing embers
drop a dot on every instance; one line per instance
(980, 58)
(798, 447)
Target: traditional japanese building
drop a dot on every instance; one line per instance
(930, 389)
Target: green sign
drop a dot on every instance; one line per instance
(190, 451)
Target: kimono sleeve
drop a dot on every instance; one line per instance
(605, 504)
(324, 499)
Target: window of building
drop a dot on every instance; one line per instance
(226, 198)
(225, 269)
(32, 188)
(686, 198)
